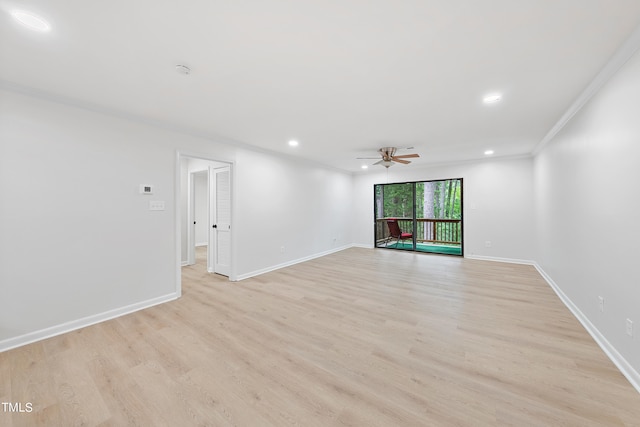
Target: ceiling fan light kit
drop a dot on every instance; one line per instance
(385, 163)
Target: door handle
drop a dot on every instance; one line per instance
(215, 225)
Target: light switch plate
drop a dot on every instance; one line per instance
(156, 205)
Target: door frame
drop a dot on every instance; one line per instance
(178, 193)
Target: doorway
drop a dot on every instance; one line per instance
(422, 216)
(204, 213)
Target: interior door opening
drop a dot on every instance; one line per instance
(423, 216)
(204, 214)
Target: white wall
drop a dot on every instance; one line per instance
(77, 237)
(497, 202)
(293, 205)
(586, 197)
(79, 244)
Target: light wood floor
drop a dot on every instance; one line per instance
(359, 338)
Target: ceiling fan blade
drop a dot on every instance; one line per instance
(379, 162)
(406, 156)
(404, 162)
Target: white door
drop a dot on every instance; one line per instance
(220, 213)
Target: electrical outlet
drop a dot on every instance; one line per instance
(629, 327)
(487, 244)
(601, 304)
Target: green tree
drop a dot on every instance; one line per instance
(398, 200)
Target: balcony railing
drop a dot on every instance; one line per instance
(428, 230)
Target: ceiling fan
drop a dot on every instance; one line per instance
(389, 157)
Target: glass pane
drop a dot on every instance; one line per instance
(439, 216)
(394, 216)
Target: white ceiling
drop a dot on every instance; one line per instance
(344, 77)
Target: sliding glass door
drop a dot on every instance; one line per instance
(424, 216)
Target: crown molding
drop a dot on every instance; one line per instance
(615, 63)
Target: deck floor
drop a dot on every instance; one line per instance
(425, 247)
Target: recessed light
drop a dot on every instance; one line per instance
(488, 153)
(293, 143)
(492, 98)
(31, 20)
(365, 167)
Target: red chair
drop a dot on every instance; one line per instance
(396, 233)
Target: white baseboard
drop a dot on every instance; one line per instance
(621, 363)
(362, 245)
(63, 328)
(290, 263)
(498, 259)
